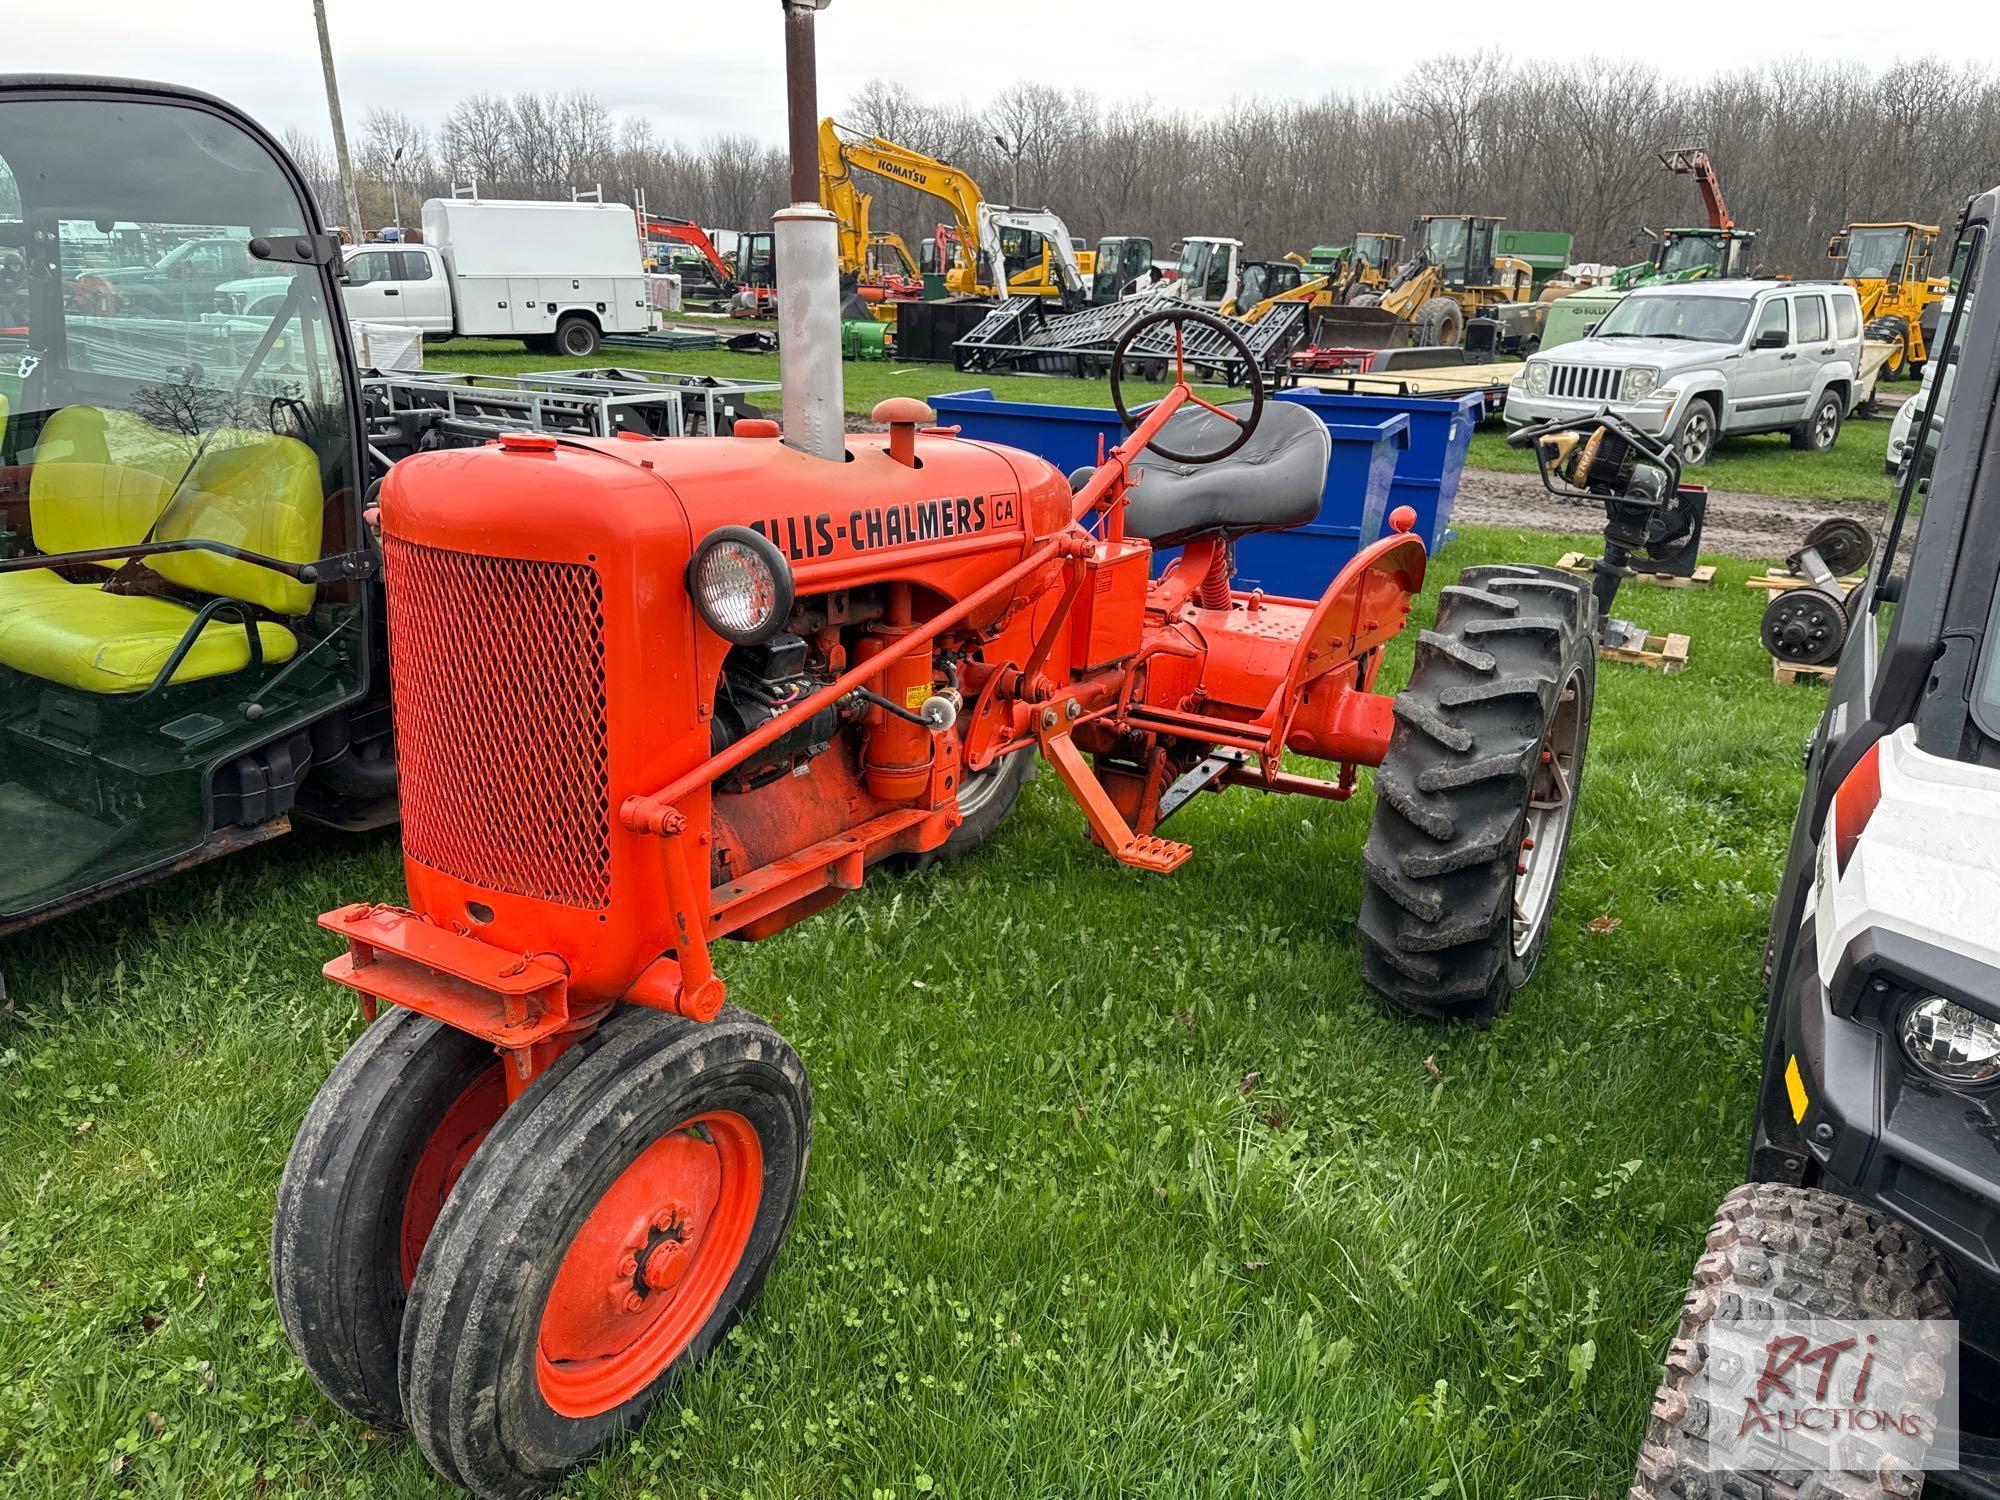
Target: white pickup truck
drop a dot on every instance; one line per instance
(558, 276)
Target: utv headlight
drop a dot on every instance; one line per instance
(1536, 380)
(741, 584)
(1951, 1043)
(1639, 383)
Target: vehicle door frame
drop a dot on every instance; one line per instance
(1759, 390)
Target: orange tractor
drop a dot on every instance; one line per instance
(651, 694)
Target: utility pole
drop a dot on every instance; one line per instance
(1014, 153)
(339, 129)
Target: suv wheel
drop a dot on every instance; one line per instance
(1817, 432)
(1694, 439)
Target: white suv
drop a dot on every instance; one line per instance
(1701, 360)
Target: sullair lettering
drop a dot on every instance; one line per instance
(806, 537)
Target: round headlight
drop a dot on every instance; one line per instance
(1950, 1042)
(1639, 383)
(1537, 378)
(741, 584)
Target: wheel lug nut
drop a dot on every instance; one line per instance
(633, 1302)
(629, 1266)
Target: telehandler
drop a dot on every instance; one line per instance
(651, 695)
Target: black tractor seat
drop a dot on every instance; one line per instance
(1272, 483)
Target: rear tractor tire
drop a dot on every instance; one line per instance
(1778, 1253)
(612, 1229)
(375, 1159)
(1440, 321)
(1475, 800)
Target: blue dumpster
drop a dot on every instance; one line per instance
(1367, 462)
(1360, 468)
(1064, 435)
(1440, 434)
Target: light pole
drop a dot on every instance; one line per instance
(395, 196)
(1014, 153)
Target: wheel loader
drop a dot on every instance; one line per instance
(1455, 276)
(1889, 265)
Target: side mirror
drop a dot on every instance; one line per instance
(1836, 247)
(1771, 338)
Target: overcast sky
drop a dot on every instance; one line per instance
(703, 69)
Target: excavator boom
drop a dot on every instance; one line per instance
(1692, 161)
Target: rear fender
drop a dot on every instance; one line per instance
(1364, 608)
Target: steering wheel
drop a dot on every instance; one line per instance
(1177, 316)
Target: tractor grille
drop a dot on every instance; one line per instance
(498, 666)
(1585, 382)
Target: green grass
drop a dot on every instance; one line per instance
(1121, 1184)
(1765, 465)
(867, 382)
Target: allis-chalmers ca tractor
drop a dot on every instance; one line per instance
(652, 694)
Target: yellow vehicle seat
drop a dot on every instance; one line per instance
(101, 479)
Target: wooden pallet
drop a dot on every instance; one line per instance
(1782, 671)
(1667, 654)
(1778, 580)
(1704, 574)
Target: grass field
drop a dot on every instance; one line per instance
(1764, 465)
(1122, 1184)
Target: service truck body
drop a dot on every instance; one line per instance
(508, 269)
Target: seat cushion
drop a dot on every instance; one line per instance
(1272, 483)
(100, 478)
(253, 490)
(79, 636)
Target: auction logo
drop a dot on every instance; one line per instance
(1786, 1392)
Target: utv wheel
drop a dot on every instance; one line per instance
(1777, 1253)
(1440, 321)
(1817, 432)
(577, 337)
(1694, 439)
(377, 1155)
(1474, 803)
(609, 1233)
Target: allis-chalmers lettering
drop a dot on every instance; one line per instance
(864, 530)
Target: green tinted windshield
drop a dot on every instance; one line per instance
(1691, 252)
(175, 421)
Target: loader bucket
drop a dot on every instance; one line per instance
(1360, 328)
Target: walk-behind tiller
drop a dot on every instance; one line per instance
(650, 694)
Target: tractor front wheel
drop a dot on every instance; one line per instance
(382, 1147)
(1475, 800)
(612, 1229)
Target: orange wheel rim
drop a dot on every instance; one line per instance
(442, 1161)
(650, 1265)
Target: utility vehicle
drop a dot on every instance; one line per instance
(189, 638)
(1874, 1168)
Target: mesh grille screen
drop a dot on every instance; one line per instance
(498, 666)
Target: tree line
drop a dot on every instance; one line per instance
(1802, 147)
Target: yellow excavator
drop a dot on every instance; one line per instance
(1889, 266)
(1001, 251)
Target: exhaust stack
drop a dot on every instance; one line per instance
(805, 239)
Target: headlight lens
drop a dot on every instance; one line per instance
(741, 584)
(1537, 378)
(1639, 383)
(1950, 1042)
